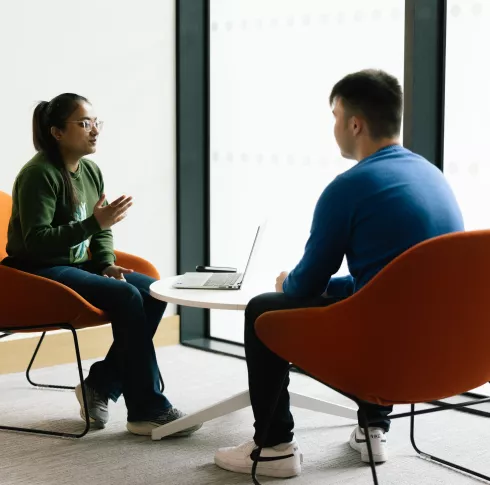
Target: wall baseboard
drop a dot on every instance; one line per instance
(58, 348)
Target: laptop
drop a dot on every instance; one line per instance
(216, 281)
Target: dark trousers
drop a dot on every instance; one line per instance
(266, 370)
(130, 367)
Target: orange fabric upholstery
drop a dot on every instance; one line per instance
(419, 331)
(139, 265)
(5, 211)
(28, 300)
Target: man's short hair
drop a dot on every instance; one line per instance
(376, 96)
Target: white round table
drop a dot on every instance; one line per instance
(211, 299)
(228, 300)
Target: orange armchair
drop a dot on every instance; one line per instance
(25, 307)
(425, 310)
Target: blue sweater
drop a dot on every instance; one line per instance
(372, 213)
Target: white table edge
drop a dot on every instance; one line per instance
(197, 304)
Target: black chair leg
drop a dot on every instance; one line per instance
(162, 385)
(80, 373)
(51, 386)
(365, 428)
(28, 371)
(435, 458)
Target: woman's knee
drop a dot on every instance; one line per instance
(141, 281)
(126, 294)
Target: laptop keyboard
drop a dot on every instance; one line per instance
(223, 279)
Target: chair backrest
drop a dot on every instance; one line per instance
(5, 211)
(418, 331)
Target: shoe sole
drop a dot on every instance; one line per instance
(262, 471)
(378, 458)
(142, 428)
(94, 423)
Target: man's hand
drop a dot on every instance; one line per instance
(116, 272)
(280, 280)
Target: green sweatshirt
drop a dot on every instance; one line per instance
(43, 231)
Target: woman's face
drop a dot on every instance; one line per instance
(82, 129)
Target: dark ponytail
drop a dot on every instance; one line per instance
(55, 113)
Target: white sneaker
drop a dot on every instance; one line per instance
(97, 405)
(144, 428)
(281, 461)
(378, 444)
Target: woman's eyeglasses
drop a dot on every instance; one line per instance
(89, 125)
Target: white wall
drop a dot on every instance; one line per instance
(120, 55)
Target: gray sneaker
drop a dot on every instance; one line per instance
(97, 406)
(144, 428)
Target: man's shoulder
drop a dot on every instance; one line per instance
(400, 161)
(340, 191)
(346, 179)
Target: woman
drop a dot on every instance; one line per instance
(59, 213)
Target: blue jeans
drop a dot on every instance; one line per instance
(130, 367)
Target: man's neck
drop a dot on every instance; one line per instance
(369, 147)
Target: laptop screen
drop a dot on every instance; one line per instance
(251, 253)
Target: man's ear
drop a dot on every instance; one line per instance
(357, 125)
(56, 133)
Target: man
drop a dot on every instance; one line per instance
(391, 200)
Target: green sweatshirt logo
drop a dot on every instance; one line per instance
(78, 252)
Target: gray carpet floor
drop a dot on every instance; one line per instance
(196, 379)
